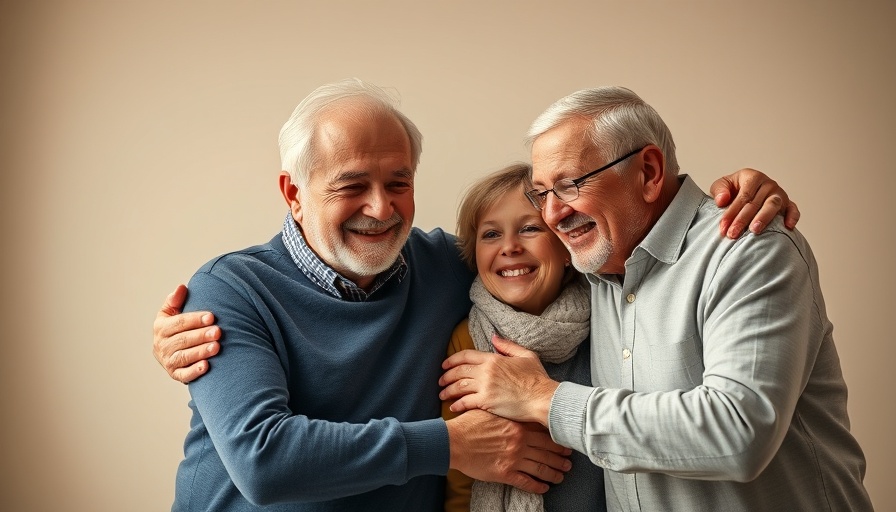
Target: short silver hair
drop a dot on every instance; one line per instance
(297, 145)
(621, 122)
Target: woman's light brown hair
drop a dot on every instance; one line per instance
(480, 196)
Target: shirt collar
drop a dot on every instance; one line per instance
(665, 240)
(324, 276)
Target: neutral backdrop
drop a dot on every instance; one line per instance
(139, 140)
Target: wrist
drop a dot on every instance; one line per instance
(541, 406)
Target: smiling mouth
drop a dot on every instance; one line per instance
(374, 230)
(581, 230)
(370, 233)
(516, 272)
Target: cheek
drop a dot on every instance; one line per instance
(483, 259)
(336, 213)
(554, 253)
(405, 206)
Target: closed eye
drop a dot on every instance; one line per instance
(400, 186)
(531, 228)
(352, 188)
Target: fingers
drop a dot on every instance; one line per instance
(493, 449)
(720, 190)
(466, 403)
(190, 373)
(759, 199)
(525, 482)
(182, 342)
(456, 387)
(185, 349)
(748, 208)
(508, 348)
(736, 191)
(791, 215)
(744, 207)
(545, 471)
(770, 207)
(174, 302)
(464, 357)
(543, 459)
(541, 439)
(456, 373)
(169, 326)
(188, 364)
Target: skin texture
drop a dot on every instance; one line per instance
(513, 239)
(364, 184)
(601, 228)
(614, 210)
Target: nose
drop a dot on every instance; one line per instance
(379, 204)
(511, 245)
(554, 210)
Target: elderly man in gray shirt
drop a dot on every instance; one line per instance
(717, 385)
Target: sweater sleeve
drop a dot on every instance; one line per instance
(458, 486)
(274, 455)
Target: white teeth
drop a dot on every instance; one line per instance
(515, 273)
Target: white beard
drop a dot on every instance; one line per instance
(365, 260)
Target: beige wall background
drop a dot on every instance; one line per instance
(139, 140)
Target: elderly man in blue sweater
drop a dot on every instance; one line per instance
(325, 395)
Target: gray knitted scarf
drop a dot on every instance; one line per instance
(554, 336)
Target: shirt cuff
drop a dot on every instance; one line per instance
(566, 417)
(427, 444)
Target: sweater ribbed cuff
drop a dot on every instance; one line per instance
(566, 418)
(427, 445)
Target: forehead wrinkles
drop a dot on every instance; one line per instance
(564, 155)
(357, 129)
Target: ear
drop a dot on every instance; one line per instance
(291, 194)
(653, 173)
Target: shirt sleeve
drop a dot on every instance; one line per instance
(761, 330)
(274, 455)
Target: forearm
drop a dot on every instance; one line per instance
(251, 405)
(699, 434)
(288, 458)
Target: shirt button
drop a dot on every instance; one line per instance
(630, 298)
(626, 353)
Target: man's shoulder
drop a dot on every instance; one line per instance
(435, 236)
(265, 254)
(435, 253)
(435, 243)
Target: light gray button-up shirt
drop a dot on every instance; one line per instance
(718, 386)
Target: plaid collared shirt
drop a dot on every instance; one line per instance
(324, 276)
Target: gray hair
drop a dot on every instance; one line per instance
(622, 122)
(297, 145)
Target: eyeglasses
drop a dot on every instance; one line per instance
(567, 189)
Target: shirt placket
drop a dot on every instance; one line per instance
(628, 305)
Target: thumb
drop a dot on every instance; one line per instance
(720, 190)
(174, 302)
(508, 348)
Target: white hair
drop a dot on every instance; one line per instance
(297, 147)
(621, 122)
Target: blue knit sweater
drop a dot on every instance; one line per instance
(316, 403)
